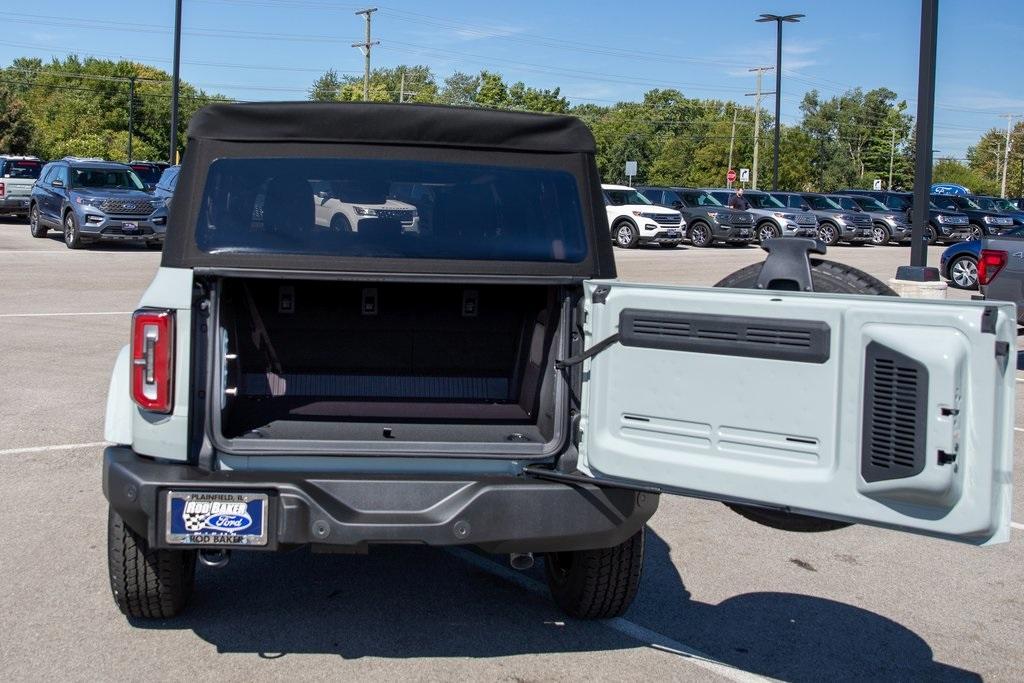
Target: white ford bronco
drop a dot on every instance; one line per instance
(485, 380)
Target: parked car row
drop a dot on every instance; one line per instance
(87, 199)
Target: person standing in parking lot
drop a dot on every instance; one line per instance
(738, 201)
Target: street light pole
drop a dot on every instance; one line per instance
(173, 158)
(778, 19)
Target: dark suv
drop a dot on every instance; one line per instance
(835, 224)
(92, 200)
(148, 171)
(944, 226)
(982, 222)
(707, 220)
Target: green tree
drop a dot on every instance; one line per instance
(326, 87)
(952, 171)
(15, 126)
(492, 91)
(460, 89)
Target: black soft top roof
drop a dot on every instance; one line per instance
(376, 123)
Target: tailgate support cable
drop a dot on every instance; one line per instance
(589, 353)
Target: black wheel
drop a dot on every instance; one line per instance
(625, 235)
(72, 238)
(147, 583)
(340, 224)
(829, 234)
(700, 235)
(36, 226)
(963, 272)
(596, 584)
(932, 234)
(880, 235)
(977, 232)
(767, 231)
(827, 277)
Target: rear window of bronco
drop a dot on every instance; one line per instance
(391, 209)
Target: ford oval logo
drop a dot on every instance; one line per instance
(228, 522)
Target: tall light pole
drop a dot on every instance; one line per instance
(173, 158)
(778, 19)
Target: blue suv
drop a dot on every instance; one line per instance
(93, 200)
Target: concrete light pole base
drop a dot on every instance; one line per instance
(914, 289)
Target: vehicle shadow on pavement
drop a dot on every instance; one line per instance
(784, 635)
(409, 601)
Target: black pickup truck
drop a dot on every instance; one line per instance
(461, 367)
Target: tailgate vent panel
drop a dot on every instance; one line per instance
(895, 415)
(803, 341)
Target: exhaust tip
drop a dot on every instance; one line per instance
(214, 558)
(521, 561)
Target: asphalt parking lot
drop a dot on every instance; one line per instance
(722, 597)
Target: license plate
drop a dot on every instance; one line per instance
(673, 233)
(214, 518)
(744, 233)
(130, 228)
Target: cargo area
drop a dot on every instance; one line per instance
(319, 362)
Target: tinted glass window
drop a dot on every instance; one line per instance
(147, 173)
(62, 175)
(821, 203)
(391, 209)
(169, 178)
(846, 203)
(869, 203)
(105, 178)
(47, 174)
(763, 201)
(897, 202)
(624, 197)
(944, 202)
(21, 168)
(700, 199)
(965, 203)
(653, 195)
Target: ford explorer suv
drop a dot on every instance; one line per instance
(983, 222)
(835, 224)
(888, 226)
(489, 382)
(1000, 205)
(17, 176)
(91, 200)
(707, 221)
(944, 226)
(636, 220)
(771, 217)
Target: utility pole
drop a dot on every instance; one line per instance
(732, 140)
(892, 157)
(999, 157)
(131, 113)
(401, 89)
(365, 48)
(175, 83)
(757, 95)
(1006, 153)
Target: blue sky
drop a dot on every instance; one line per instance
(595, 51)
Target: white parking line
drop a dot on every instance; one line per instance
(1017, 525)
(61, 447)
(47, 315)
(653, 639)
(1018, 429)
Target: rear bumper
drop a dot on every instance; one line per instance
(16, 204)
(498, 513)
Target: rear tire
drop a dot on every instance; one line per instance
(826, 277)
(963, 272)
(596, 584)
(147, 583)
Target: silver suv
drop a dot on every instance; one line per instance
(772, 217)
(17, 175)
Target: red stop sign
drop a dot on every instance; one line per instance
(731, 175)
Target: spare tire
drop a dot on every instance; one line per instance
(826, 277)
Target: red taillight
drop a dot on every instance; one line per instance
(3, 190)
(153, 359)
(990, 263)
